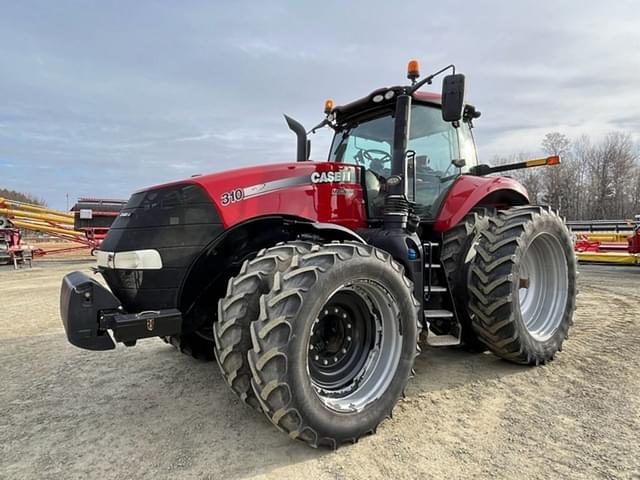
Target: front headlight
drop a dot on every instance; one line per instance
(132, 260)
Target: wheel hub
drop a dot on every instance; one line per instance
(331, 338)
(353, 346)
(340, 339)
(542, 287)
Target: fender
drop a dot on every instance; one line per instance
(333, 231)
(470, 191)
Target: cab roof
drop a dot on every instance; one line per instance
(344, 112)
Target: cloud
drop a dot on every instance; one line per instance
(105, 98)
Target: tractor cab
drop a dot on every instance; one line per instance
(440, 150)
(411, 145)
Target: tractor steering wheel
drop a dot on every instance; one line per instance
(382, 156)
(377, 159)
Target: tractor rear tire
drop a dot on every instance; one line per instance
(335, 343)
(522, 284)
(458, 250)
(240, 307)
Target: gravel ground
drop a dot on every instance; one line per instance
(148, 412)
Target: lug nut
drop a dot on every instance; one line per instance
(326, 362)
(344, 350)
(335, 359)
(348, 325)
(348, 339)
(344, 315)
(310, 347)
(316, 358)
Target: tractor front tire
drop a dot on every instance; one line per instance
(522, 284)
(334, 345)
(240, 307)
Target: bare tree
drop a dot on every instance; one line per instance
(635, 190)
(555, 180)
(595, 180)
(582, 149)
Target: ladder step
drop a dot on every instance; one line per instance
(438, 314)
(435, 289)
(432, 265)
(430, 244)
(442, 340)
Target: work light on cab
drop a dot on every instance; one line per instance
(413, 70)
(328, 106)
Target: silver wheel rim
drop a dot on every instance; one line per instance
(543, 286)
(380, 357)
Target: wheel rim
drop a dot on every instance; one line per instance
(354, 346)
(543, 286)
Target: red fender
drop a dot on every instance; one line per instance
(469, 191)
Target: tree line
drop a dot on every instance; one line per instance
(596, 180)
(21, 197)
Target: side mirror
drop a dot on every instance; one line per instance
(452, 97)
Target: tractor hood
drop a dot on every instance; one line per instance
(308, 190)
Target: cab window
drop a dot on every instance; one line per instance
(436, 144)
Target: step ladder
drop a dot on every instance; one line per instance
(435, 285)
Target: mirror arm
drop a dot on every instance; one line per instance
(324, 123)
(429, 79)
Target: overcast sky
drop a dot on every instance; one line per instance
(103, 98)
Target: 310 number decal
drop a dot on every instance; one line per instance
(232, 197)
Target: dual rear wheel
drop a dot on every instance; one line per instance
(522, 284)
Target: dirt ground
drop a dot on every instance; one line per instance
(151, 412)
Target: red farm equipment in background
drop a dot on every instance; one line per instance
(607, 241)
(86, 226)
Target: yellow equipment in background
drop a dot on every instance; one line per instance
(40, 219)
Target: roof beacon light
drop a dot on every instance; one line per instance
(328, 106)
(413, 70)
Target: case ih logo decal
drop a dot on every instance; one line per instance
(345, 175)
(341, 176)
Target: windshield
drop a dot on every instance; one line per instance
(435, 142)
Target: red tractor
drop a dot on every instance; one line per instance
(310, 282)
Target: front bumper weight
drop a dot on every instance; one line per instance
(89, 311)
(81, 300)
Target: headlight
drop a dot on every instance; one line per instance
(132, 260)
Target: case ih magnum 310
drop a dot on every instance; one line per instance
(310, 282)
